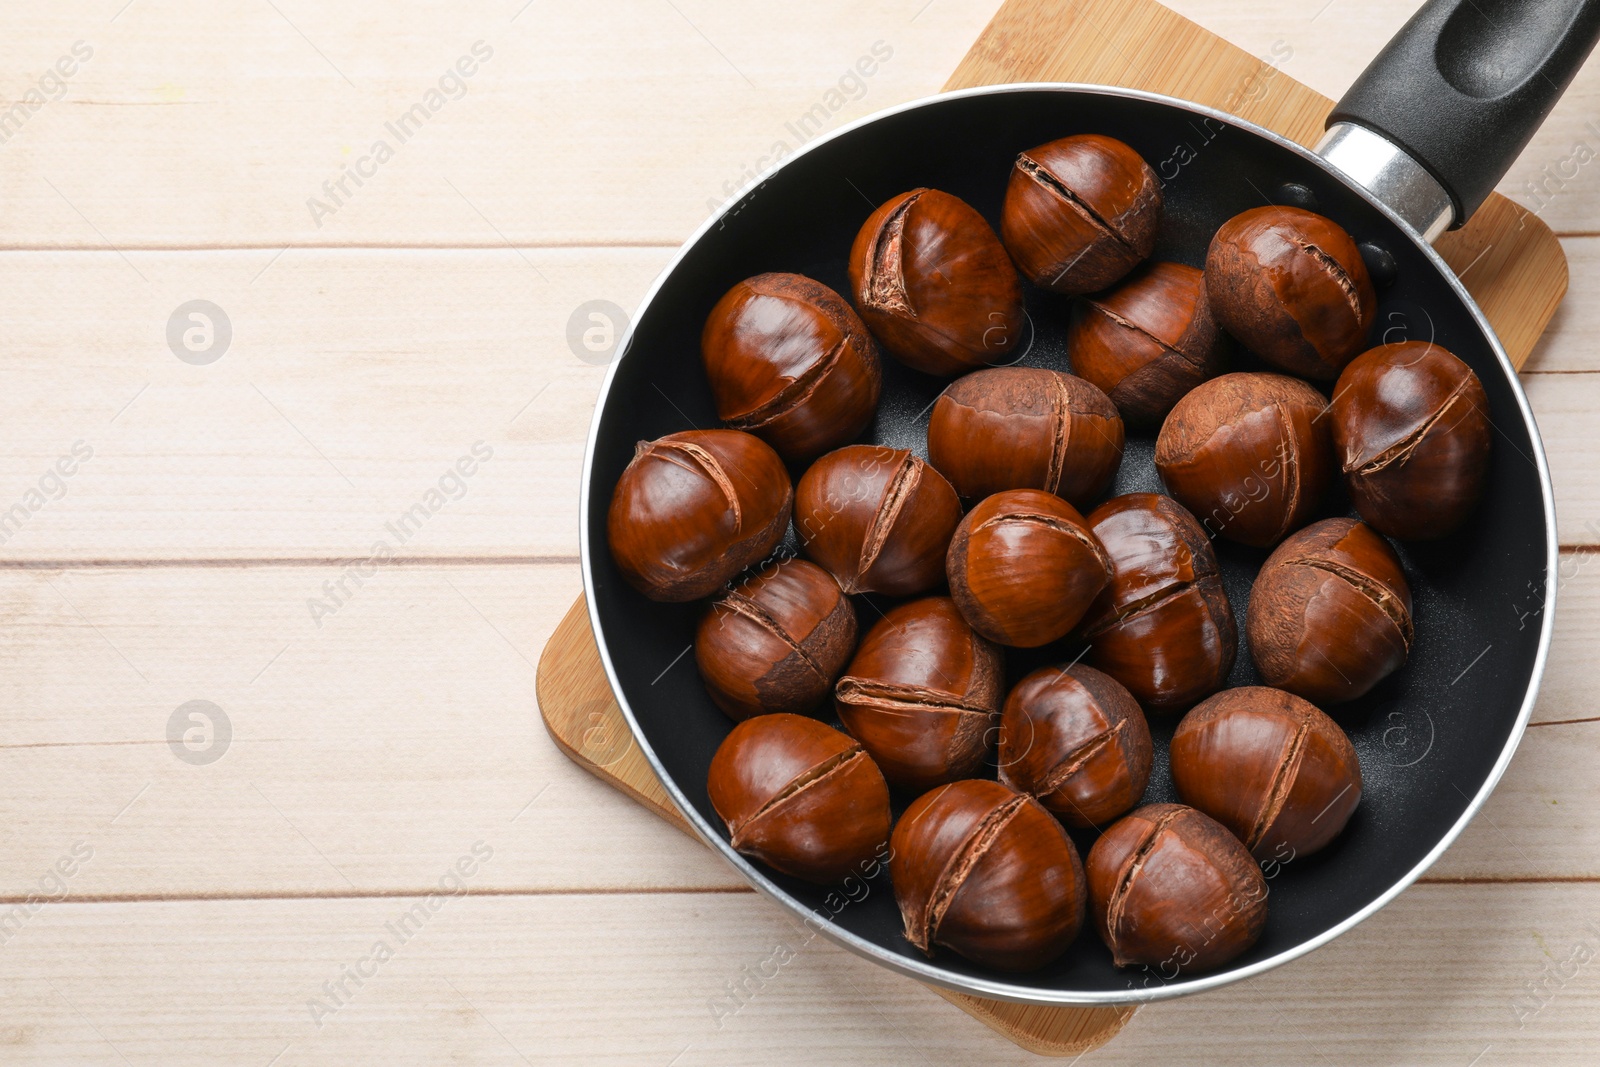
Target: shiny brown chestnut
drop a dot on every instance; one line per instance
(878, 519)
(1025, 428)
(1024, 566)
(1249, 455)
(1292, 286)
(693, 509)
(791, 362)
(1080, 213)
(800, 797)
(1270, 767)
(1149, 341)
(922, 695)
(1076, 739)
(1162, 626)
(1412, 433)
(987, 873)
(1330, 613)
(777, 641)
(1172, 889)
(933, 282)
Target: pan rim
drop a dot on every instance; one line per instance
(995, 989)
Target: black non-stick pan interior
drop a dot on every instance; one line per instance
(1428, 738)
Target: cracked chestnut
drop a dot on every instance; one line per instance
(1292, 286)
(1330, 613)
(1024, 566)
(800, 797)
(791, 362)
(987, 873)
(1025, 428)
(776, 642)
(922, 695)
(1162, 626)
(934, 284)
(1249, 455)
(1172, 889)
(878, 519)
(1080, 213)
(1075, 739)
(1149, 341)
(1269, 766)
(1412, 433)
(693, 509)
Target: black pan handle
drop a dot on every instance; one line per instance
(1466, 83)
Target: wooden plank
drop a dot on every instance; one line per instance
(361, 750)
(630, 116)
(1434, 979)
(587, 123)
(384, 368)
(1568, 346)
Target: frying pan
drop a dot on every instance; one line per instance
(1412, 150)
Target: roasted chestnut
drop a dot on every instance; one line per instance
(1330, 613)
(933, 282)
(790, 362)
(1172, 889)
(1270, 767)
(1162, 626)
(1292, 286)
(1411, 430)
(1249, 455)
(1076, 739)
(878, 519)
(800, 797)
(693, 509)
(1148, 341)
(1025, 428)
(1080, 213)
(777, 641)
(987, 873)
(1024, 567)
(923, 695)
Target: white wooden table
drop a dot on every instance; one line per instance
(218, 899)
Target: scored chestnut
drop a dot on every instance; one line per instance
(922, 695)
(800, 797)
(1080, 213)
(693, 509)
(791, 362)
(1075, 739)
(1171, 888)
(987, 873)
(1292, 286)
(777, 641)
(1249, 455)
(1330, 613)
(1162, 626)
(1149, 341)
(933, 282)
(1270, 767)
(1025, 428)
(1411, 430)
(1024, 566)
(878, 519)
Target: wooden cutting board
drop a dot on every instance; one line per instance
(1508, 259)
